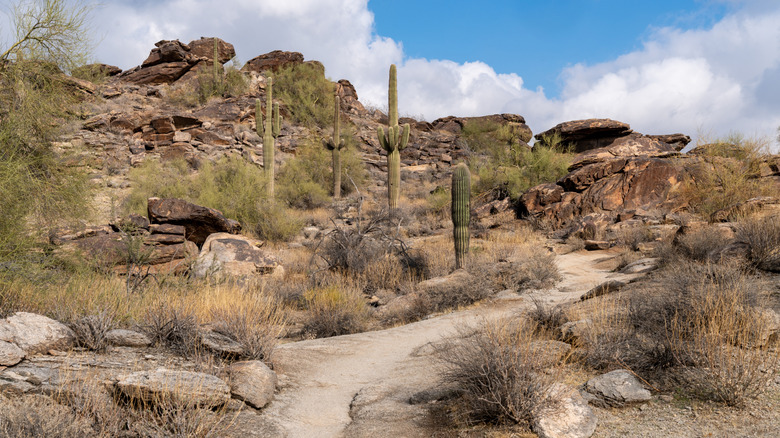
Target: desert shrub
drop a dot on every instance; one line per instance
(536, 270)
(155, 178)
(545, 317)
(726, 175)
(38, 416)
(91, 330)
(233, 186)
(502, 377)
(517, 169)
(277, 223)
(306, 93)
(699, 244)
(255, 324)
(334, 311)
(36, 190)
(439, 298)
(306, 180)
(763, 237)
(171, 326)
(229, 82)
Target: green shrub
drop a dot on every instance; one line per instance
(232, 83)
(157, 179)
(306, 93)
(277, 223)
(306, 180)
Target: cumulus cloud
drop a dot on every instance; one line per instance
(718, 79)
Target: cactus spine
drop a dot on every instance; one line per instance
(393, 141)
(461, 211)
(336, 144)
(273, 123)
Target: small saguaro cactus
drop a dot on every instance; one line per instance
(461, 211)
(336, 144)
(217, 75)
(273, 123)
(393, 141)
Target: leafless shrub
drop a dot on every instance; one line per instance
(699, 244)
(33, 416)
(537, 270)
(172, 327)
(502, 377)
(546, 318)
(256, 326)
(763, 236)
(631, 237)
(91, 330)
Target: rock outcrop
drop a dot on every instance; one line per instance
(170, 60)
(199, 222)
(585, 135)
(273, 61)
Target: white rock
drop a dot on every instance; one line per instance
(36, 333)
(617, 388)
(234, 255)
(10, 354)
(573, 418)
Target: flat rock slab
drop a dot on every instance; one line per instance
(36, 333)
(618, 388)
(185, 387)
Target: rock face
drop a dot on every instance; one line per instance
(180, 387)
(617, 388)
(617, 172)
(253, 383)
(572, 419)
(35, 333)
(584, 135)
(273, 61)
(235, 256)
(170, 60)
(199, 222)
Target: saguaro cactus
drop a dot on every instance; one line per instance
(217, 76)
(336, 144)
(461, 211)
(273, 123)
(393, 141)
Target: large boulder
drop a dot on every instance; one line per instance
(204, 48)
(171, 60)
(273, 61)
(633, 145)
(225, 254)
(198, 221)
(179, 387)
(588, 134)
(35, 333)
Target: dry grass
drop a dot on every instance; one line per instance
(763, 237)
(91, 330)
(333, 311)
(501, 375)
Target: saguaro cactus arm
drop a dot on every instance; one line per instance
(258, 119)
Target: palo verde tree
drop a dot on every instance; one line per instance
(49, 36)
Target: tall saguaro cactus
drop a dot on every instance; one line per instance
(336, 144)
(461, 211)
(393, 141)
(273, 123)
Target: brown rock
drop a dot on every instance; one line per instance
(164, 239)
(204, 48)
(633, 145)
(535, 199)
(127, 338)
(273, 61)
(587, 134)
(678, 141)
(162, 124)
(182, 122)
(167, 229)
(199, 221)
(167, 51)
(164, 73)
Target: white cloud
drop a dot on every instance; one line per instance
(717, 80)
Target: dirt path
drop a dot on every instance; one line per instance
(359, 385)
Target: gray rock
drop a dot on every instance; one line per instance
(572, 418)
(36, 333)
(184, 387)
(221, 344)
(10, 354)
(252, 382)
(641, 266)
(127, 338)
(618, 388)
(232, 255)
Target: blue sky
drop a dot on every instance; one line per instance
(705, 68)
(535, 39)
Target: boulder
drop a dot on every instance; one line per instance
(127, 338)
(633, 145)
(204, 48)
(678, 141)
(169, 386)
(587, 134)
(225, 254)
(164, 73)
(618, 388)
(221, 344)
(273, 61)
(199, 222)
(10, 354)
(252, 382)
(166, 51)
(571, 418)
(35, 333)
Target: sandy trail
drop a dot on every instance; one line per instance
(359, 385)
